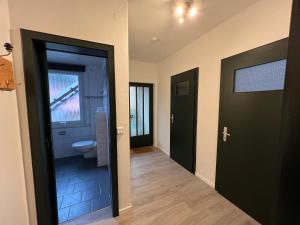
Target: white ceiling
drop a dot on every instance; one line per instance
(149, 18)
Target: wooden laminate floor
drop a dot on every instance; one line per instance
(163, 193)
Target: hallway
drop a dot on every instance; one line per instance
(163, 193)
(166, 194)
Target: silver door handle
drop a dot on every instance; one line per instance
(172, 118)
(225, 134)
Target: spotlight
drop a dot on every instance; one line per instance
(179, 10)
(193, 12)
(181, 20)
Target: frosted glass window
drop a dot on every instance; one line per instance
(182, 88)
(140, 107)
(146, 111)
(64, 97)
(266, 77)
(133, 111)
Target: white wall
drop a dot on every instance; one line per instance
(264, 22)
(144, 72)
(104, 21)
(13, 207)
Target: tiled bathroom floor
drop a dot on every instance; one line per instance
(82, 187)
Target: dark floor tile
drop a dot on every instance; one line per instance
(105, 189)
(65, 174)
(64, 190)
(59, 201)
(63, 214)
(86, 185)
(62, 181)
(76, 179)
(100, 203)
(71, 199)
(90, 194)
(76, 174)
(79, 209)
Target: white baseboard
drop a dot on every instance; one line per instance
(205, 180)
(125, 208)
(160, 148)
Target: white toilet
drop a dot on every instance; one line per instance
(87, 148)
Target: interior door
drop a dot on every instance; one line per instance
(141, 114)
(251, 101)
(184, 92)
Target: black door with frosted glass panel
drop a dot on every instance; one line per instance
(141, 114)
(184, 92)
(251, 99)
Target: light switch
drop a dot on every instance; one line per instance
(120, 130)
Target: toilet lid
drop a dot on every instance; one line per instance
(84, 144)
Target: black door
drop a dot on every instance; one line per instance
(184, 92)
(251, 100)
(141, 114)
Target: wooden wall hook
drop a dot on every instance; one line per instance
(7, 81)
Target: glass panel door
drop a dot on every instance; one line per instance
(133, 126)
(141, 115)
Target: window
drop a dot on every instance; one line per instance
(65, 100)
(139, 111)
(266, 77)
(133, 111)
(182, 88)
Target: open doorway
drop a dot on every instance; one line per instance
(80, 138)
(72, 119)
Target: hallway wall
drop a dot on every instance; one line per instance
(264, 22)
(13, 206)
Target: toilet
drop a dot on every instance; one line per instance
(87, 148)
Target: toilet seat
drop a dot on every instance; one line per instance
(84, 146)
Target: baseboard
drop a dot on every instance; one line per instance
(205, 180)
(125, 208)
(161, 149)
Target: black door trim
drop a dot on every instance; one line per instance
(34, 45)
(196, 73)
(145, 140)
(289, 195)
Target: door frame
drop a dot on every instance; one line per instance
(196, 71)
(150, 85)
(289, 185)
(34, 46)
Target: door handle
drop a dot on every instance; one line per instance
(225, 134)
(172, 118)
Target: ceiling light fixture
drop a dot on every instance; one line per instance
(181, 20)
(193, 12)
(185, 9)
(179, 10)
(155, 39)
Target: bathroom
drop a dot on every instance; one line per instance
(79, 121)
